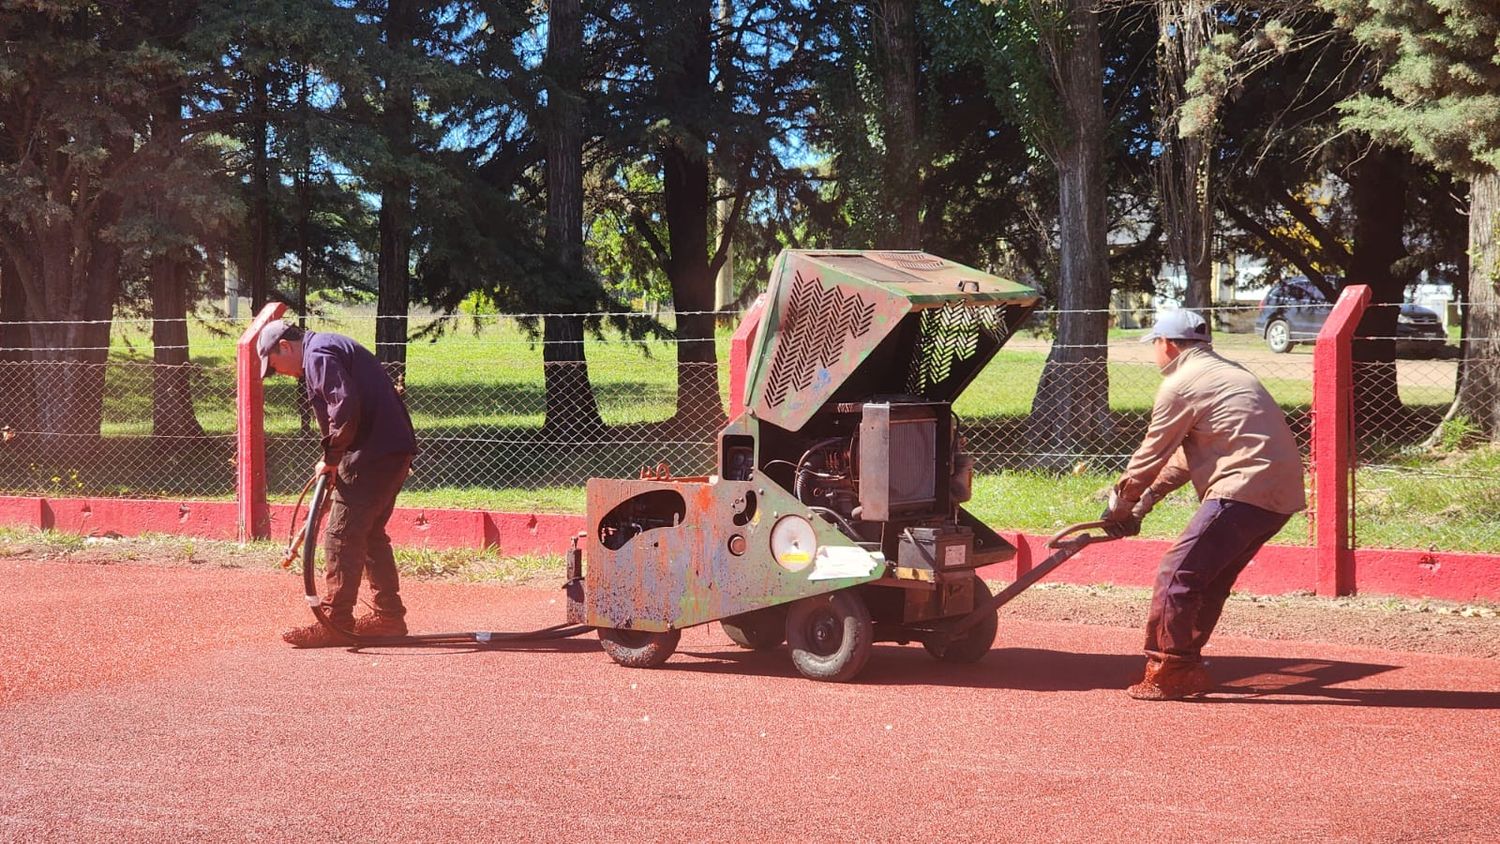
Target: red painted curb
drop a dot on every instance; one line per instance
(1278, 569)
(21, 512)
(410, 527)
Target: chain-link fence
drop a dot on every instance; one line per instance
(1041, 464)
(501, 424)
(96, 414)
(506, 421)
(1427, 476)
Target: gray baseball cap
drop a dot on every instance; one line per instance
(1179, 324)
(265, 344)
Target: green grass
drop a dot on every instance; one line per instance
(478, 402)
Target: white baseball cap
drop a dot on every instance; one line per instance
(1179, 324)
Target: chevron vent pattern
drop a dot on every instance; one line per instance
(913, 261)
(948, 335)
(818, 321)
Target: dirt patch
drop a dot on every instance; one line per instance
(1397, 624)
(1426, 626)
(447, 564)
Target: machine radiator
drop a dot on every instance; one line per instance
(900, 453)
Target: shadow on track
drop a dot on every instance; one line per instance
(1242, 679)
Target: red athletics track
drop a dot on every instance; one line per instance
(156, 704)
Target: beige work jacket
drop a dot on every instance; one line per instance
(1214, 423)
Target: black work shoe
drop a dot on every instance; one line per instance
(314, 635)
(379, 626)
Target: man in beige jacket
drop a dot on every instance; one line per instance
(1213, 424)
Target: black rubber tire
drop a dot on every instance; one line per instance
(638, 648)
(977, 640)
(1279, 336)
(757, 630)
(830, 636)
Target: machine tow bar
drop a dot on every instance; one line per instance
(308, 537)
(1065, 549)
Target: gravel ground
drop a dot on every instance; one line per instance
(1421, 626)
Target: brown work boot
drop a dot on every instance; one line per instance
(1172, 679)
(314, 635)
(378, 625)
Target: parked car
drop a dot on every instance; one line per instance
(1294, 311)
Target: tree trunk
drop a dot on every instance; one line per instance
(1479, 388)
(902, 189)
(172, 412)
(572, 411)
(698, 405)
(260, 185)
(1183, 169)
(171, 387)
(1377, 188)
(1071, 408)
(17, 398)
(685, 196)
(70, 339)
(393, 270)
(724, 166)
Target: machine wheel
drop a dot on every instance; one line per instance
(758, 630)
(830, 635)
(976, 641)
(1279, 336)
(638, 648)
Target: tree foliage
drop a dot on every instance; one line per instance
(1440, 98)
(420, 153)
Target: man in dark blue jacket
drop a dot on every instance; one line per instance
(368, 445)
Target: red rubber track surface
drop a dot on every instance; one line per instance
(158, 704)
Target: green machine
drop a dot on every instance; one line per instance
(835, 516)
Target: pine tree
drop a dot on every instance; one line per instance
(1442, 101)
(97, 178)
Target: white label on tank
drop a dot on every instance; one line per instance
(835, 561)
(955, 555)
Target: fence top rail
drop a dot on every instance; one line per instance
(351, 313)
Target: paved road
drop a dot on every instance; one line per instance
(1431, 375)
(156, 704)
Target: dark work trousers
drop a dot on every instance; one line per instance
(355, 541)
(1198, 571)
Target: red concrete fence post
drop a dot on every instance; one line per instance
(253, 517)
(739, 354)
(1333, 441)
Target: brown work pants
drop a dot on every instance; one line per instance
(355, 542)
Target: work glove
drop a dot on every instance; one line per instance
(1119, 517)
(1129, 526)
(1143, 507)
(1118, 509)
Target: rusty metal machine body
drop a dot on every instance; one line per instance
(835, 511)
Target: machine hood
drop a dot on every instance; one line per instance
(860, 323)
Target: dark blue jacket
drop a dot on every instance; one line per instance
(356, 404)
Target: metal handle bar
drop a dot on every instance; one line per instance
(1071, 529)
(1065, 551)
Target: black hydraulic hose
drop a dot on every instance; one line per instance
(478, 637)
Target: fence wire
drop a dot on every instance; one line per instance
(1427, 474)
(505, 420)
